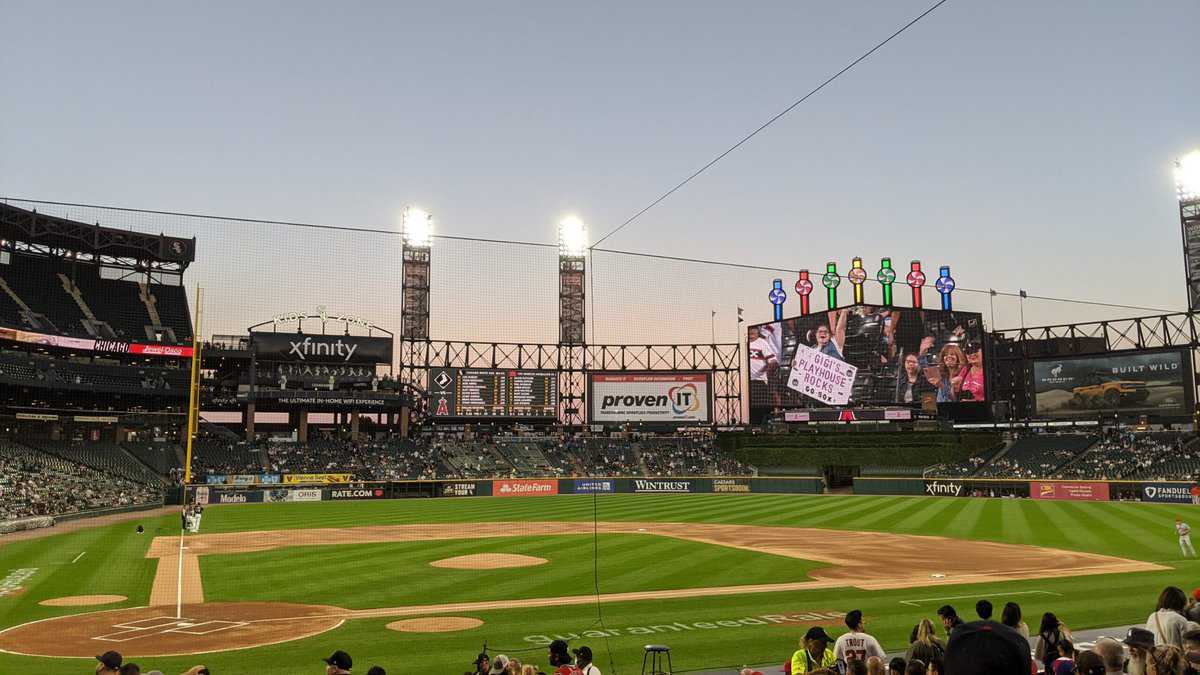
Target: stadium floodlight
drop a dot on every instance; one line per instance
(417, 227)
(572, 237)
(1187, 176)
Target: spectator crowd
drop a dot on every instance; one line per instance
(942, 644)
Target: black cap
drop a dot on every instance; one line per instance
(987, 648)
(817, 633)
(376, 670)
(1139, 637)
(111, 660)
(583, 652)
(897, 664)
(340, 659)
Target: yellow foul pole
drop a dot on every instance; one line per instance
(194, 390)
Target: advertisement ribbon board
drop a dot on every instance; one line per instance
(1077, 491)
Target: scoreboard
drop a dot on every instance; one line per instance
(492, 392)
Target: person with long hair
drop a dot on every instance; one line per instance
(954, 367)
(1051, 634)
(1011, 617)
(926, 646)
(1167, 623)
(1166, 660)
(973, 387)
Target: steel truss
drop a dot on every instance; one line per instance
(36, 234)
(574, 362)
(1014, 349)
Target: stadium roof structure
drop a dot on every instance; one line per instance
(29, 232)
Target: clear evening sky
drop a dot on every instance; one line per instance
(1027, 144)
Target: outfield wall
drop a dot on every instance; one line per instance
(1162, 492)
(501, 487)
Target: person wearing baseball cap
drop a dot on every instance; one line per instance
(987, 648)
(110, 662)
(1140, 641)
(499, 665)
(583, 661)
(338, 663)
(815, 655)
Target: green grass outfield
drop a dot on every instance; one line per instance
(387, 574)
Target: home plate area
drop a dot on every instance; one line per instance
(133, 630)
(153, 631)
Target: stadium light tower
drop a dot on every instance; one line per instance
(572, 257)
(1187, 189)
(417, 235)
(572, 250)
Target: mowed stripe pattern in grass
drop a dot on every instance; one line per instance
(364, 576)
(1133, 530)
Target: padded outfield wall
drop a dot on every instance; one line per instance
(500, 488)
(1161, 492)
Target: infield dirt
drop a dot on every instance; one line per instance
(853, 559)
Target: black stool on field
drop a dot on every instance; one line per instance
(655, 654)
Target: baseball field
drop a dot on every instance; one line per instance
(724, 580)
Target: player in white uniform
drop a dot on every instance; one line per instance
(856, 645)
(1185, 538)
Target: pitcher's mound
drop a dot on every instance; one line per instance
(82, 600)
(489, 561)
(435, 624)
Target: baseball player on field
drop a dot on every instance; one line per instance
(1185, 538)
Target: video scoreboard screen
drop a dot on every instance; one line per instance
(866, 356)
(488, 392)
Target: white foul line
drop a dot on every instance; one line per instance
(918, 601)
(179, 581)
(78, 557)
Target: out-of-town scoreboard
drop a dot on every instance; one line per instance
(492, 392)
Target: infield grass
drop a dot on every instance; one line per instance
(372, 575)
